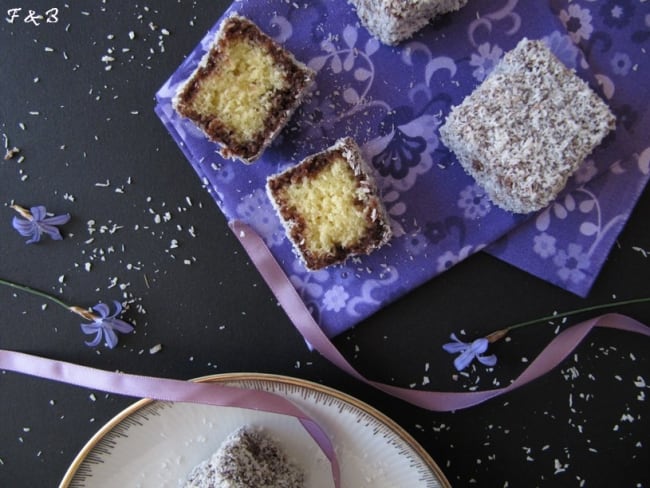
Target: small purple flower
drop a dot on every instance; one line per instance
(572, 263)
(105, 325)
(415, 244)
(621, 64)
(577, 22)
(468, 351)
(474, 202)
(485, 61)
(617, 13)
(335, 298)
(562, 46)
(35, 222)
(544, 245)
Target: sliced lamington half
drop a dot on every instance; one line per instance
(244, 90)
(247, 458)
(392, 21)
(330, 206)
(527, 128)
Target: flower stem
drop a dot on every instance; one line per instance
(574, 312)
(23, 211)
(34, 292)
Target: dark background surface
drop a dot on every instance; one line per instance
(77, 100)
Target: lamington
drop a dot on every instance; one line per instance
(248, 457)
(527, 128)
(244, 90)
(392, 21)
(330, 206)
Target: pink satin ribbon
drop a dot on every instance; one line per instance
(556, 351)
(214, 394)
(168, 390)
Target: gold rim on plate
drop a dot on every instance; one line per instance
(271, 378)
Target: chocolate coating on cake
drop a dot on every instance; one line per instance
(392, 21)
(222, 69)
(338, 212)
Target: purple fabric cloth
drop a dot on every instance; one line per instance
(392, 100)
(568, 243)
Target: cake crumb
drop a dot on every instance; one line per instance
(11, 153)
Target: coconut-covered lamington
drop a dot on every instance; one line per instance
(244, 90)
(393, 21)
(330, 206)
(247, 458)
(527, 128)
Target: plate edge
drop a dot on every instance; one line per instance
(270, 377)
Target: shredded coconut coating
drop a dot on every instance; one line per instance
(330, 206)
(393, 21)
(244, 90)
(247, 458)
(527, 128)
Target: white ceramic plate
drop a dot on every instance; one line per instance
(156, 444)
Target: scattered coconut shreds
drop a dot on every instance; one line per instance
(170, 235)
(11, 153)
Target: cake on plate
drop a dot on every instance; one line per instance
(330, 206)
(527, 128)
(392, 21)
(247, 458)
(244, 90)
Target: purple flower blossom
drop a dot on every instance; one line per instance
(617, 13)
(562, 46)
(468, 351)
(621, 64)
(474, 202)
(485, 61)
(105, 325)
(35, 222)
(572, 263)
(544, 245)
(577, 22)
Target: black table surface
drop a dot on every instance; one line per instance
(77, 101)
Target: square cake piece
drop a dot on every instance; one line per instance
(392, 21)
(244, 90)
(330, 207)
(527, 128)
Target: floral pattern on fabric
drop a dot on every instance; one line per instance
(571, 238)
(393, 100)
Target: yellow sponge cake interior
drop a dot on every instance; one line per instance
(244, 90)
(330, 206)
(241, 91)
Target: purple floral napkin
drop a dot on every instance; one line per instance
(567, 243)
(392, 100)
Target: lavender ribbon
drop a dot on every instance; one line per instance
(213, 394)
(554, 353)
(169, 390)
